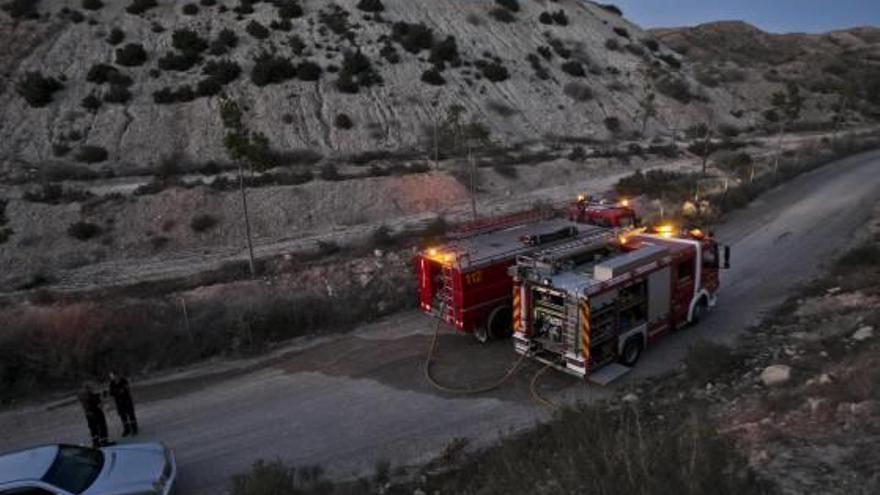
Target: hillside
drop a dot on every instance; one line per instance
(834, 69)
(322, 76)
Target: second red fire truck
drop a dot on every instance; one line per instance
(579, 307)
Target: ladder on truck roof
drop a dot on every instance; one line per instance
(566, 249)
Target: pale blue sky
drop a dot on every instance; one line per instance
(779, 16)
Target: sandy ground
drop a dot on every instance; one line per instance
(350, 401)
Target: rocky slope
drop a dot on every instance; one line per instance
(753, 64)
(531, 70)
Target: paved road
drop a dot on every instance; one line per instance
(359, 398)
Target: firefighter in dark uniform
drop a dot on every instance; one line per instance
(121, 393)
(91, 404)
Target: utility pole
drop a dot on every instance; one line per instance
(247, 220)
(473, 181)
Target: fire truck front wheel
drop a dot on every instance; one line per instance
(500, 323)
(632, 351)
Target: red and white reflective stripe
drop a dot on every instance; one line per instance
(517, 309)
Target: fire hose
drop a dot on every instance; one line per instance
(488, 388)
(458, 390)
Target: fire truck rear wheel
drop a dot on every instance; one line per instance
(500, 323)
(632, 351)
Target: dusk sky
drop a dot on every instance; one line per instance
(770, 15)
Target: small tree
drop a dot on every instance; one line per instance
(244, 146)
(647, 109)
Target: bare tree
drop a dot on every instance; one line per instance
(474, 133)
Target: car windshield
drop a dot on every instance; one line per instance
(75, 468)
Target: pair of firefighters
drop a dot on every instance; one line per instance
(119, 389)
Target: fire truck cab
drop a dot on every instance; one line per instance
(465, 282)
(582, 308)
(603, 212)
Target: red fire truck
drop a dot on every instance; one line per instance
(465, 282)
(581, 307)
(603, 212)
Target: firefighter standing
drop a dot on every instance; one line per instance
(91, 403)
(121, 393)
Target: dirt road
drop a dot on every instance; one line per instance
(359, 398)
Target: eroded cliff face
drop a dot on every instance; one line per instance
(563, 78)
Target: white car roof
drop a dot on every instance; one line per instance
(31, 464)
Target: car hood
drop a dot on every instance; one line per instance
(129, 469)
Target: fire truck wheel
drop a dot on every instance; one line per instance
(481, 334)
(500, 323)
(699, 309)
(632, 351)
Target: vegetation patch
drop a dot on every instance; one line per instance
(91, 154)
(357, 72)
(83, 231)
(138, 7)
(272, 69)
(371, 5)
(21, 9)
(412, 37)
(131, 55)
(36, 89)
(203, 223)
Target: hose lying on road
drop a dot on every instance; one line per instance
(533, 389)
(463, 391)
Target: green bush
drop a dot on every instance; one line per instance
(412, 37)
(622, 32)
(545, 18)
(131, 55)
(222, 71)
(511, 5)
(371, 5)
(493, 71)
(207, 3)
(190, 9)
(357, 71)
(614, 9)
(272, 69)
(203, 223)
(138, 7)
(36, 89)
(104, 73)
(188, 41)
(433, 77)
(574, 68)
(116, 36)
(309, 71)
(613, 125)
(343, 121)
(257, 30)
(21, 9)
(83, 231)
(226, 39)
(288, 9)
(671, 60)
(444, 51)
(92, 4)
(91, 154)
(179, 62)
(675, 87)
(117, 93)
